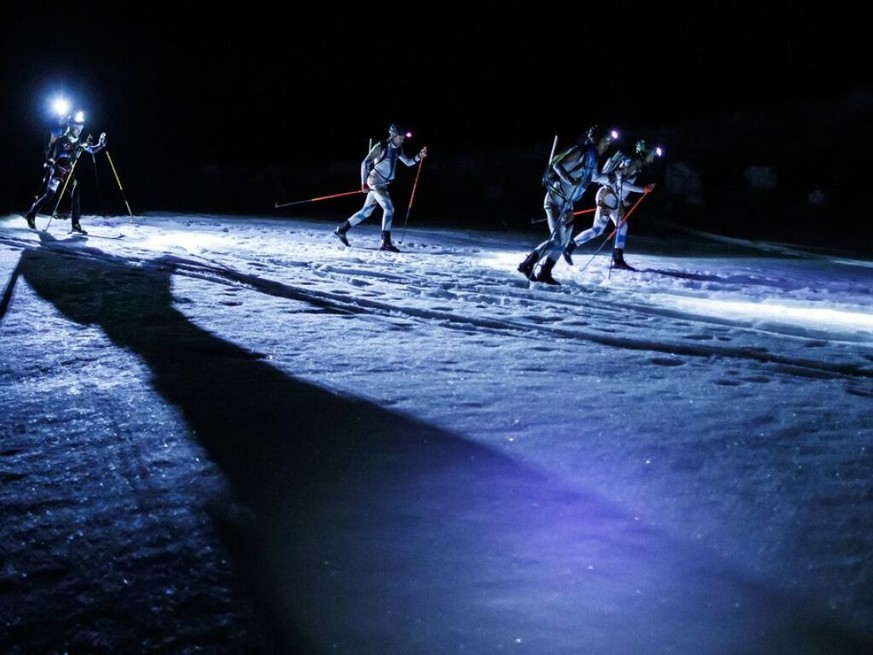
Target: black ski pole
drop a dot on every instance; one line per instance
(63, 191)
(76, 155)
(97, 185)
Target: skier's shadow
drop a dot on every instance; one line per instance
(371, 532)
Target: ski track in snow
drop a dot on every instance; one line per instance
(593, 305)
(466, 289)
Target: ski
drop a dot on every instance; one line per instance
(89, 235)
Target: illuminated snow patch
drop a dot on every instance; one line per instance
(189, 241)
(819, 318)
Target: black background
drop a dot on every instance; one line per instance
(235, 109)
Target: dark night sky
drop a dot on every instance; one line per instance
(288, 85)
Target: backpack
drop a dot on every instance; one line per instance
(612, 164)
(550, 176)
(372, 164)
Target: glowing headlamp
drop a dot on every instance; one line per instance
(61, 107)
(396, 130)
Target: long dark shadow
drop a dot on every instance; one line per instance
(363, 531)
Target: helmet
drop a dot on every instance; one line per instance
(76, 119)
(645, 151)
(397, 130)
(595, 133)
(631, 165)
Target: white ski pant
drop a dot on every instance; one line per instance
(559, 214)
(602, 216)
(378, 196)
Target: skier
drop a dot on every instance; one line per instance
(569, 175)
(63, 152)
(377, 173)
(612, 200)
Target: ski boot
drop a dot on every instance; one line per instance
(619, 262)
(568, 251)
(386, 242)
(527, 266)
(340, 233)
(545, 273)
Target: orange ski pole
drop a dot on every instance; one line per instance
(411, 196)
(328, 197)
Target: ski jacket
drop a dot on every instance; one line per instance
(65, 150)
(618, 187)
(62, 155)
(377, 169)
(573, 171)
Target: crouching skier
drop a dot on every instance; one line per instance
(377, 173)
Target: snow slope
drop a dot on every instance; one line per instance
(231, 432)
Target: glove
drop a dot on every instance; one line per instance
(102, 140)
(422, 153)
(649, 188)
(365, 188)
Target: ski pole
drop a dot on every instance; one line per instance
(627, 215)
(118, 182)
(61, 194)
(599, 248)
(551, 156)
(411, 196)
(97, 184)
(534, 221)
(575, 213)
(328, 197)
(613, 233)
(78, 153)
(622, 222)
